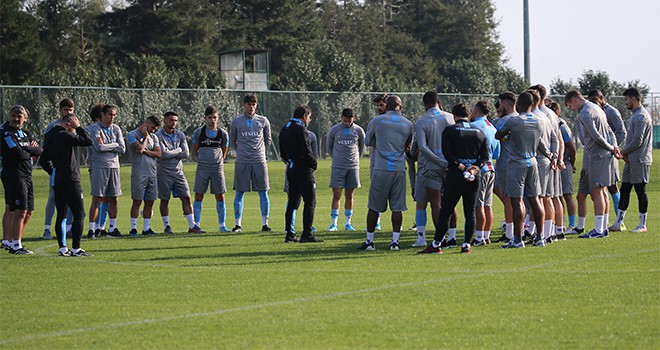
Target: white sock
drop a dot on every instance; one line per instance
(508, 230)
(133, 223)
(264, 220)
(532, 227)
(348, 220)
(46, 227)
(63, 250)
(435, 243)
(99, 227)
(480, 236)
(620, 217)
(370, 236)
(486, 234)
(92, 225)
(166, 220)
(452, 233)
(547, 228)
(191, 220)
(600, 222)
(113, 224)
(17, 244)
(642, 219)
(421, 230)
(146, 224)
(5, 242)
(75, 250)
(238, 221)
(334, 220)
(395, 236)
(581, 222)
(559, 230)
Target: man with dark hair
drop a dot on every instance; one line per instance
(101, 218)
(390, 135)
(507, 110)
(296, 151)
(484, 202)
(209, 147)
(66, 107)
(466, 150)
(59, 159)
(108, 144)
(601, 161)
(432, 170)
(345, 145)
(17, 148)
(171, 178)
(381, 108)
(524, 133)
(250, 136)
(144, 151)
(638, 155)
(615, 122)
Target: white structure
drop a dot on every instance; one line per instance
(246, 69)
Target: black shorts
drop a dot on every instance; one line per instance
(19, 193)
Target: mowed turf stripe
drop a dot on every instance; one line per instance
(301, 299)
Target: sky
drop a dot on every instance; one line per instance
(621, 38)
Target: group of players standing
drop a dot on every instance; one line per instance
(525, 156)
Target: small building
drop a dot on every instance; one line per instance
(246, 69)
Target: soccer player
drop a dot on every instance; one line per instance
(296, 151)
(524, 132)
(615, 122)
(345, 145)
(390, 135)
(59, 159)
(108, 144)
(250, 135)
(18, 148)
(95, 116)
(508, 110)
(66, 107)
(484, 202)
(209, 146)
(171, 178)
(381, 108)
(465, 148)
(432, 170)
(601, 160)
(638, 155)
(144, 151)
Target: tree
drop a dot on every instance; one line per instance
(561, 87)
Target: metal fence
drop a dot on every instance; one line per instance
(134, 105)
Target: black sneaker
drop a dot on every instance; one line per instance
(561, 237)
(291, 238)
(149, 232)
(237, 228)
(196, 229)
(20, 251)
(548, 240)
(265, 228)
(504, 239)
(430, 249)
(395, 246)
(6, 246)
(133, 232)
(477, 243)
(65, 254)
(90, 234)
(466, 249)
(168, 230)
(367, 246)
(100, 233)
(309, 238)
(448, 243)
(487, 241)
(114, 233)
(81, 252)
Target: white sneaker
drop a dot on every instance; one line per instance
(419, 243)
(639, 228)
(573, 230)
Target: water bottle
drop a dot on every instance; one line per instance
(468, 176)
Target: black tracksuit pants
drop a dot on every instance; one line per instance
(69, 196)
(454, 188)
(301, 184)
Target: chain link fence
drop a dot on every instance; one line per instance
(135, 105)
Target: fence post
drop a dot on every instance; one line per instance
(144, 109)
(38, 106)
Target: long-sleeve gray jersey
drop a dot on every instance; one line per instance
(210, 152)
(593, 124)
(250, 136)
(345, 145)
(142, 164)
(547, 134)
(524, 140)
(639, 146)
(106, 153)
(90, 150)
(501, 163)
(567, 136)
(173, 150)
(314, 143)
(389, 134)
(615, 122)
(554, 123)
(428, 133)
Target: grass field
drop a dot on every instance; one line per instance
(250, 290)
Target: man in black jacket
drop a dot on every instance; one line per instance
(296, 151)
(59, 159)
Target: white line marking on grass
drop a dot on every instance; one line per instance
(297, 300)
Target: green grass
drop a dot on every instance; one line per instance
(250, 290)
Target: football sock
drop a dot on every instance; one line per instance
(103, 214)
(547, 228)
(238, 206)
(293, 219)
(600, 222)
(348, 213)
(264, 203)
(642, 219)
(370, 236)
(615, 200)
(133, 223)
(620, 217)
(92, 225)
(146, 224)
(197, 211)
(479, 236)
(571, 220)
(334, 216)
(221, 210)
(166, 221)
(191, 220)
(508, 230)
(452, 233)
(113, 224)
(582, 220)
(395, 236)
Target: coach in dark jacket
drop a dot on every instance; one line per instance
(296, 151)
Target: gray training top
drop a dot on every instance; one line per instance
(524, 140)
(250, 136)
(211, 155)
(640, 135)
(428, 133)
(593, 124)
(501, 163)
(173, 150)
(615, 122)
(142, 164)
(106, 153)
(345, 145)
(389, 134)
